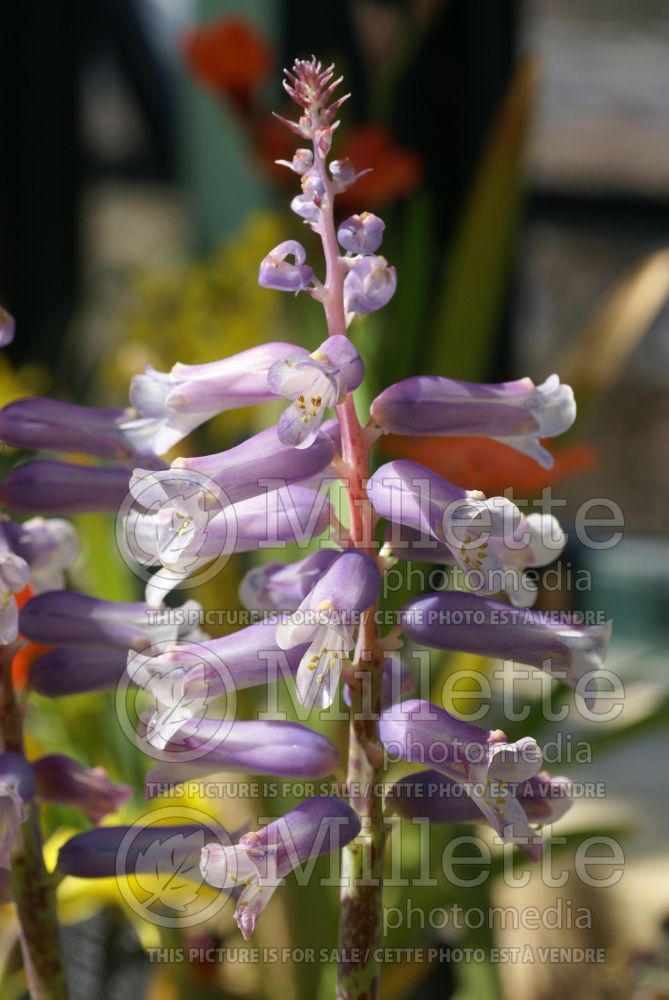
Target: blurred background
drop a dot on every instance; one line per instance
(521, 162)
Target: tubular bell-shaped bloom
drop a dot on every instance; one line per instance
(285, 749)
(49, 546)
(491, 540)
(65, 618)
(314, 384)
(252, 870)
(181, 535)
(283, 586)
(325, 620)
(361, 234)
(245, 470)
(17, 787)
(547, 640)
(431, 795)
(483, 761)
(46, 486)
(277, 272)
(125, 850)
(516, 413)
(14, 577)
(71, 670)
(63, 781)
(43, 424)
(369, 285)
(176, 402)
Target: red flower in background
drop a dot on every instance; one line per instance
(396, 171)
(230, 57)
(482, 464)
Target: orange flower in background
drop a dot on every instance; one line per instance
(396, 171)
(482, 464)
(230, 56)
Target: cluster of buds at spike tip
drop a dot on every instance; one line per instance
(312, 87)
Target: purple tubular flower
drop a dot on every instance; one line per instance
(53, 425)
(192, 672)
(324, 619)
(361, 233)
(181, 535)
(314, 384)
(285, 749)
(283, 586)
(68, 671)
(14, 576)
(491, 540)
(176, 402)
(7, 327)
(17, 787)
(489, 628)
(369, 285)
(482, 761)
(516, 413)
(278, 273)
(45, 486)
(66, 782)
(306, 208)
(264, 857)
(65, 618)
(239, 472)
(48, 547)
(430, 795)
(126, 850)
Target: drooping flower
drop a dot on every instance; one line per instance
(547, 640)
(17, 787)
(71, 670)
(178, 401)
(369, 285)
(484, 762)
(283, 586)
(49, 547)
(325, 619)
(65, 618)
(47, 486)
(252, 870)
(432, 796)
(64, 781)
(314, 384)
(14, 577)
(361, 234)
(43, 424)
(277, 272)
(285, 749)
(491, 540)
(516, 413)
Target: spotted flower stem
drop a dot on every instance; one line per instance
(33, 889)
(362, 862)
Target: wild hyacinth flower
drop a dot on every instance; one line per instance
(7, 327)
(490, 539)
(279, 273)
(174, 403)
(516, 413)
(63, 781)
(47, 486)
(14, 577)
(483, 762)
(285, 749)
(49, 546)
(71, 670)
(471, 624)
(325, 620)
(252, 870)
(283, 586)
(42, 424)
(314, 384)
(432, 796)
(17, 787)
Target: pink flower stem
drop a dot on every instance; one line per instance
(360, 931)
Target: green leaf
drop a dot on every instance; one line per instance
(477, 268)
